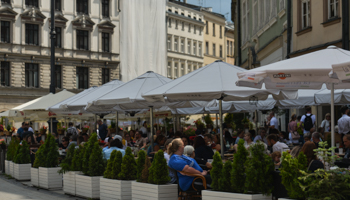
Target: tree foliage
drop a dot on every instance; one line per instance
(145, 170)
(238, 168)
(114, 165)
(291, 171)
(216, 171)
(47, 155)
(66, 164)
(140, 165)
(96, 165)
(225, 179)
(12, 148)
(77, 159)
(128, 170)
(88, 148)
(158, 172)
(22, 154)
(109, 168)
(259, 168)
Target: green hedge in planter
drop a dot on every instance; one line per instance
(96, 165)
(88, 147)
(66, 164)
(114, 165)
(225, 179)
(238, 168)
(77, 159)
(47, 155)
(140, 165)
(12, 148)
(145, 171)
(128, 170)
(158, 172)
(22, 154)
(216, 171)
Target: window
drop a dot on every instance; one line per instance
(176, 44)
(5, 31)
(169, 43)
(282, 4)
(176, 70)
(214, 53)
(332, 9)
(58, 5)
(105, 42)
(83, 6)
(105, 75)
(58, 41)
(206, 27)
(176, 12)
(221, 51)
(176, 24)
(195, 48)
(189, 46)
(6, 1)
(32, 75)
(305, 14)
(169, 10)
(200, 49)
(207, 47)
(245, 20)
(231, 48)
(182, 69)
(194, 29)
(5, 73)
(82, 40)
(82, 77)
(169, 22)
(58, 76)
(189, 27)
(214, 29)
(183, 14)
(32, 34)
(227, 47)
(194, 67)
(182, 45)
(220, 31)
(188, 67)
(105, 8)
(183, 25)
(33, 3)
(169, 70)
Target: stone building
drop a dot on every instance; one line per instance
(87, 47)
(229, 44)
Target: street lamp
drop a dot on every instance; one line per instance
(53, 38)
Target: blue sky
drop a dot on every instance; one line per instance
(219, 6)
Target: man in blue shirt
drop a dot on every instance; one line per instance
(20, 131)
(116, 144)
(102, 130)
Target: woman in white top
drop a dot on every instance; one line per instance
(292, 130)
(326, 123)
(247, 141)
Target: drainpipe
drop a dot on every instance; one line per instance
(239, 42)
(289, 27)
(345, 19)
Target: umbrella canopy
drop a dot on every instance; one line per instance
(214, 81)
(308, 71)
(341, 97)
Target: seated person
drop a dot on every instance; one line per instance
(247, 141)
(276, 145)
(276, 157)
(128, 140)
(202, 150)
(73, 140)
(346, 140)
(159, 141)
(64, 143)
(312, 161)
(139, 140)
(189, 152)
(240, 136)
(209, 141)
(116, 144)
(182, 163)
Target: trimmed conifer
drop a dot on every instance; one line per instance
(40, 157)
(51, 152)
(238, 168)
(158, 173)
(12, 148)
(128, 170)
(23, 154)
(77, 159)
(96, 164)
(117, 167)
(216, 171)
(88, 147)
(145, 171)
(66, 164)
(110, 163)
(140, 165)
(225, 179)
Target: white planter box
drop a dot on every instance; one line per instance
(69, 182)
(88, 186)
(217, 195)
(10, 163)
(146, 191)
(22, 171)
(34, 176)
(7, 170)
(49, 178)
(121, 189)
(285, 199)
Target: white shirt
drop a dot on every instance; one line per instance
(344, 124)
(326, 125)
(246, 145)
(144, 130)
(274, 122)
(279, 146)
(30, 129)
(313, 118)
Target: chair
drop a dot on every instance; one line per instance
(192, 193)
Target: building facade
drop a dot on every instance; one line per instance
(184, 39)
(87, 47)
(214, 39)
(229, 44)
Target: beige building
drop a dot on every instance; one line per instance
(87, 47)
(316, 25)
(229, 44)
(214, 36)
(184, 39)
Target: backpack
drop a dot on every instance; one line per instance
(308, 123)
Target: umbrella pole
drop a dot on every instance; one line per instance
(117, 122)
(256, 122)
(221, 131)
(217, 123)
(51, 126)
(332, 117)
(174, 123)
(165, 127)
(151, 129)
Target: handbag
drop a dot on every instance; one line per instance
(295, 135)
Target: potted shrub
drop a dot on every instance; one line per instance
(158, 177)
(93, 166)
(11, 151)
(22, 162)
(208, 121)
(46, 159)
(120, 172)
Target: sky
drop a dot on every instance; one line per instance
(219, 6)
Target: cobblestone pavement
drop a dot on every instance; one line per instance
(10, 189)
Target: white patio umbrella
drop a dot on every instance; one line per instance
(214, 81)
(306, 71)
(341, 97)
